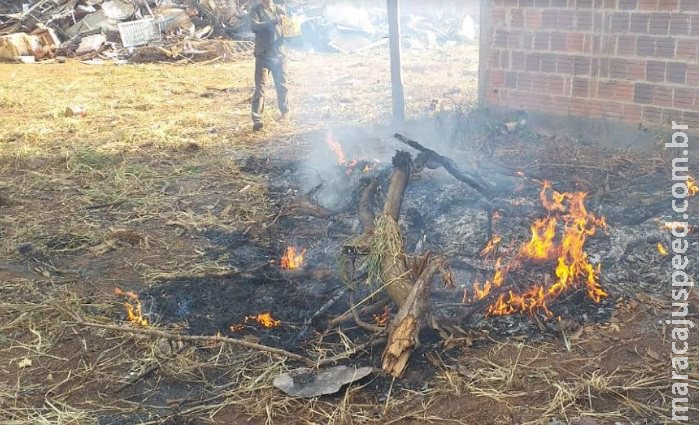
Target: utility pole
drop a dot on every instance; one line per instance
(396, 73)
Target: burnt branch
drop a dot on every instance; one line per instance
(431, 158)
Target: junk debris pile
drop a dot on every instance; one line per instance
(200, 30)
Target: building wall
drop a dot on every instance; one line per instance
(635, 61)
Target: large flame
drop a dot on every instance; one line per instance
(132, 306)
(292, 259)
(572, 265)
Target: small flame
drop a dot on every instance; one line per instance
(662, 250)
(132, 306)
(382, 319)
(692, 186)
(342, 159)
(292, 260)
(491, 246)
(263, 319)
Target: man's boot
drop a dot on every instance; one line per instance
(257, 126)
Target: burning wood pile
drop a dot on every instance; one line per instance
(360, 255)
(525, 277)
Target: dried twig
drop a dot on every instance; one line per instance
(199, 338)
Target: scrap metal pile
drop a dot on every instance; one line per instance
(143, 30)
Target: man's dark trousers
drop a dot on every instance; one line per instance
(263, 67)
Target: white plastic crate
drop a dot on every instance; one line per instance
(138, 33)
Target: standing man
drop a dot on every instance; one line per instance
(265, 21)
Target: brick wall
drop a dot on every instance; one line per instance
(629, 60)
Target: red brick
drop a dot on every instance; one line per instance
(583, 20)
(662, 96)
(643, 93)
(624, 91)
(693, 75)
(517, 60)
(539, 82)
(670, 115)
(691, 119)
(581, 87)
(524, 81)
(559, 41)
(652, 115)
(533, 19)
(659, 23)
(689, 5)
(549, 18)
(566, 19)
(613, 110)
(639, 23)
(498, 16)
(648, 4)
(665, 47)
(548, 62)
(555, 85)
(668, 5)
(676, 73)
(626, 44)
(511, 80)
(679, 24)
(516, 39)
(619, 22)
(533, 62)
(576, 42)
(581, 65)
(497, 78)
(636, 69)
(633, 113)
(687, 49)
(517, 18)
(494, 59)
(655, 71)
(683, 98)
(542, 41)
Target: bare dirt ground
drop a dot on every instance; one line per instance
(139, 192)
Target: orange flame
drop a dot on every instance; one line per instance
(382, 319)
(263, 319)
(342, 159)
(491, 246)
(132, 306)
(662, 250)
(572, 267)
(692, 186)
(291, 260)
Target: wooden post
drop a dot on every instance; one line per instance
(484, 40)
(396, 77)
